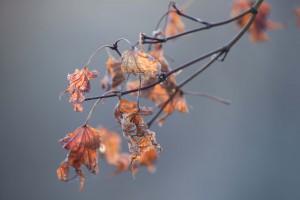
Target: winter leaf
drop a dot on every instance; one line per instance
(82, 145)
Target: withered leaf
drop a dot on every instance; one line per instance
(82, 145)
(111, 150)
(137, 134)
(261, 23)
(123, 107)
(79, 85)
(140, 63)
(297, 13)
(177, 103)
(159, 94)
(114, 75)
(174, 24)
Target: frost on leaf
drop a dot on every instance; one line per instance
(139, 138)
(297, 13)
(82, 145)
(111, 150)
(79, 85)
(114, 75)
(140, 63)
(261, 23)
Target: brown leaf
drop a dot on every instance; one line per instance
(123, 107)
(137, 134)
(297, 13)
(149, 159)
(114, 75)
(159, 94)
(140, 63)
(178, 103)
(158, 54)
(174, 24)
(63, 171)
(79, 85)
(82, 145)
(261, 23)
(111, 150)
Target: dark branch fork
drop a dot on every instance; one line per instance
(215, 54)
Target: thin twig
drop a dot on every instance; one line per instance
(215, 98)
(208, 26)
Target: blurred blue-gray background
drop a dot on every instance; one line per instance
(249, 150)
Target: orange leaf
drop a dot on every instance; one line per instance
(114, 75)
(297, 13)
(174, 24)
(140, 63)
(111, 150)
(82, 145)
(261, 23)
(137, 134)
(79, 84)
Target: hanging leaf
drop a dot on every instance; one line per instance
(174, 24)
(111, 150)
(261, 23)
(140, 63)
(79, 85)
(297, 13)
(82, 145)
(114, 75)
(137, 134)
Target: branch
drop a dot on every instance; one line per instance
(208, 25)
(224, 51)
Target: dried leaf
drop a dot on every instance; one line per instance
(297, 13)
(63, 171)
(178, 103)
(79, 85)
(140, 63)
(174, 24)
(114, 75)
(261, 23)
(123, 107)
(82, 145)
(137, 134)
(148, 159)
(158, 54)
(159, 95)
(111, 150)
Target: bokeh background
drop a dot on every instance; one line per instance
(249, 150)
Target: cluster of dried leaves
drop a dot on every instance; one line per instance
(84, 143)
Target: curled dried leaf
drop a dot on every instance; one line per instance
(114, 75)
(140, 63)
(79, 85)
(82, 145)
(261, 23)
(137, 134)
(123, 107)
